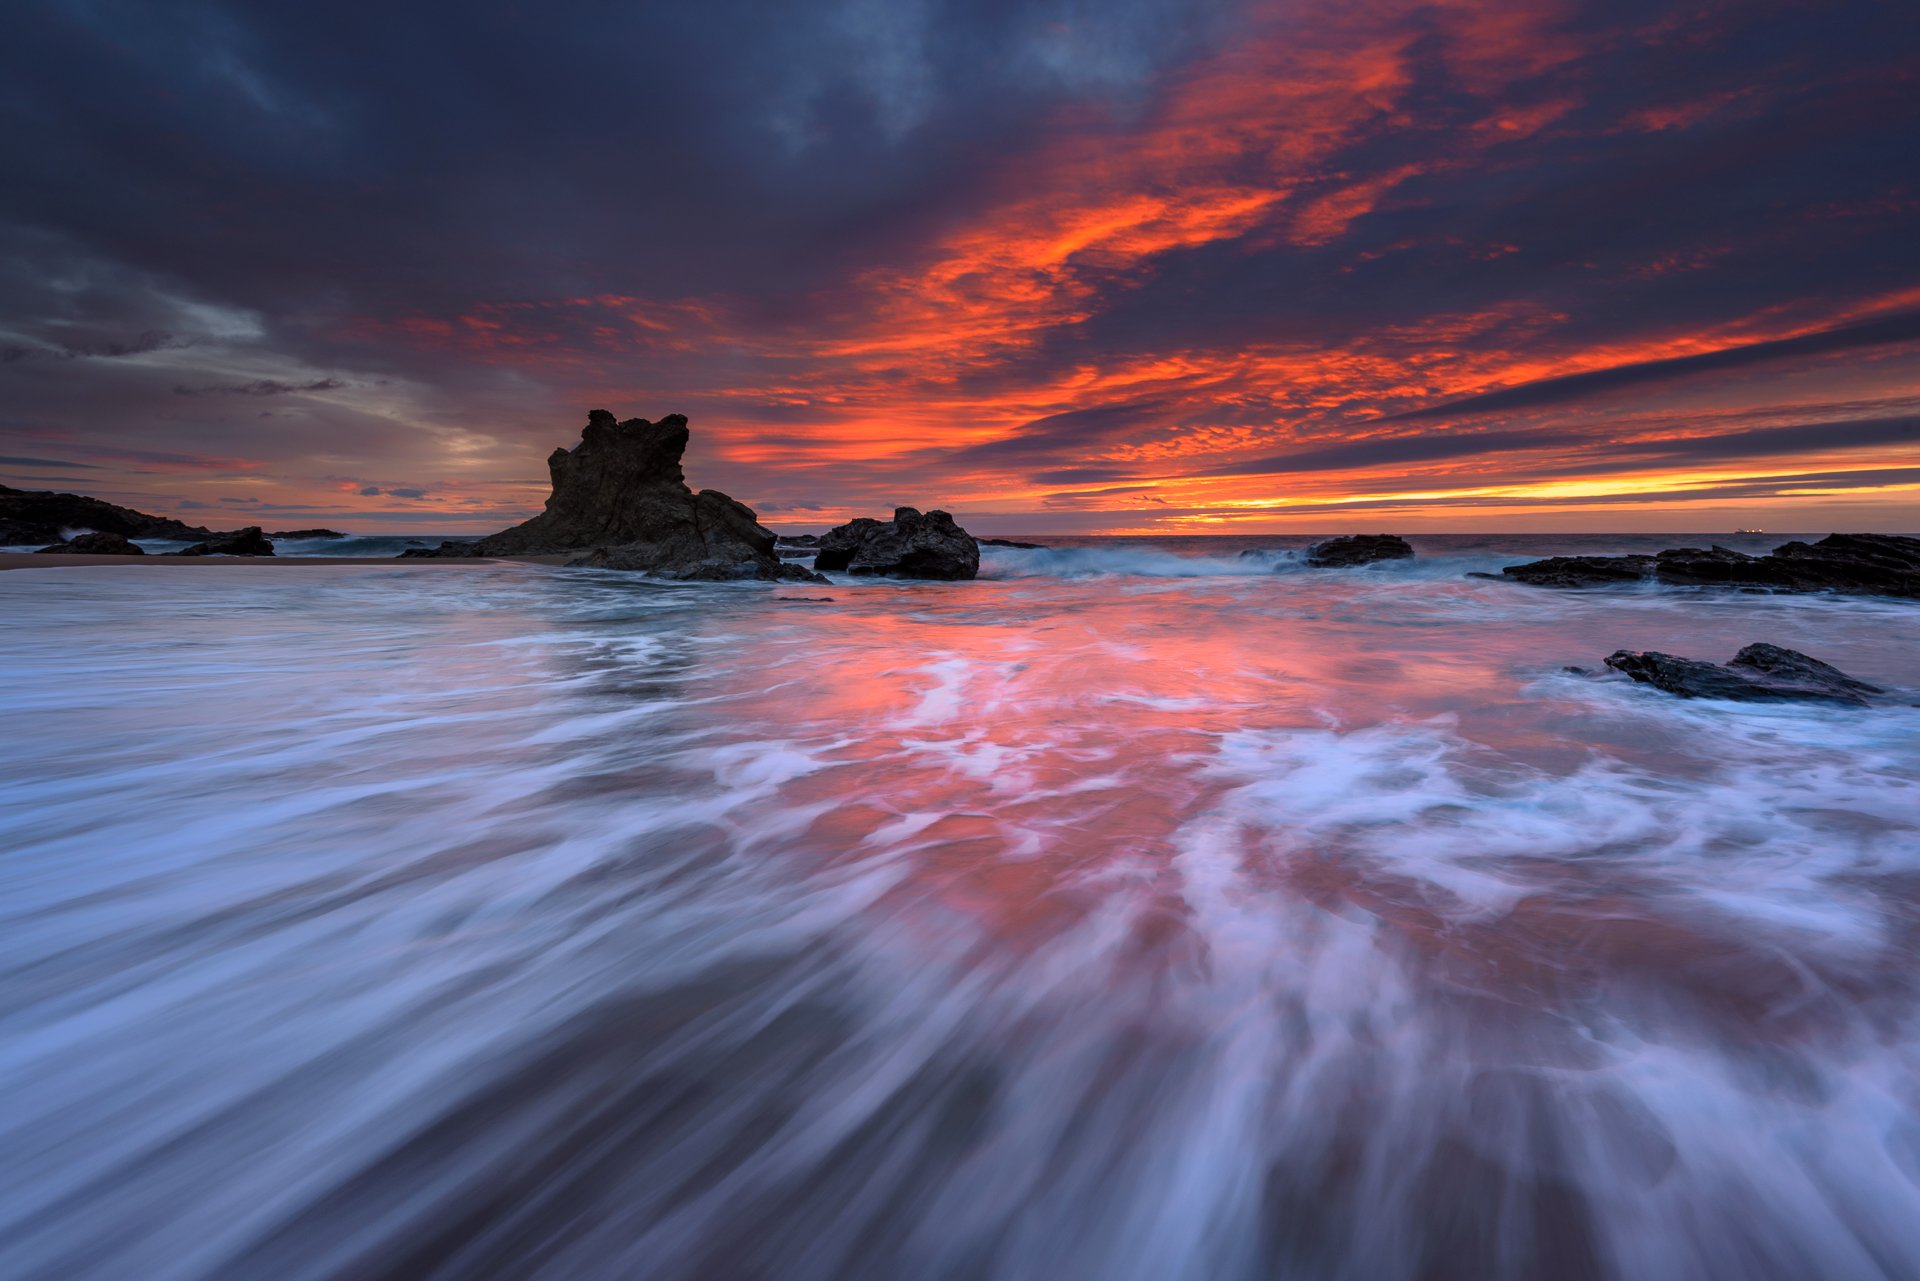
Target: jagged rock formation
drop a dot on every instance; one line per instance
(911, 545)
(95, 545)
(1358, 549)
(43, 516)
(621, 501)
(241, 542)
(1853, 564)
(1758, 674)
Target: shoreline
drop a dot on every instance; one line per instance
(37, 560)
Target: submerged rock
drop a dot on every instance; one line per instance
(911, 545)
(1758, 674)
(1581, 571)
(241, 542)
(1853, 564)
(95, 544)
(1358, 549)
(44, 516)
(621, 501)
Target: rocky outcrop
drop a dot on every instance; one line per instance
(1581, 571)
(797, 540)
(911, 545)
(43, 516)
(620, 501)
(307, 533)
(1008, 542)
(241, 542)
(95, 545)
(1757, 674)
(1358, 549)
(1851, 564)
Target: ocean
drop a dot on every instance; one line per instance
(1141, 910)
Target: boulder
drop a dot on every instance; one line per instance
(1851, 564)
(43, 516)
(1758, 674)
(241, 542)
(1358, 549)
(1581, 571)
(620, 501)
(96, 544)
(911, 545)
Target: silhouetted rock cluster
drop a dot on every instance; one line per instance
(1358, 549)
(1854, 564)
(241, 542)
(43, 516)
(307, 533)
(621, 501)
(1758, 674)
(95, 545)
(911, 545)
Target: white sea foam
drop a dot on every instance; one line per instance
(554, 924)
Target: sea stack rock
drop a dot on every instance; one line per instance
(621, 501)
(241, 542)
(1757, 674)
(911, 545)
(95, 544)
(1358, 549)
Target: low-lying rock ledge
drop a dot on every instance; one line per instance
(1009, 542)
(620, 501)
(1358, 549)
(306, 533)
(911, 545)
(1848, 564)
(95, 544)
(1758, 674)
(241, 542)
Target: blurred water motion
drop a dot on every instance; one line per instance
(530, 923)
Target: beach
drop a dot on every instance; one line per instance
(1141, 909)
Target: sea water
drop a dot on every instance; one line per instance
(1140, 910)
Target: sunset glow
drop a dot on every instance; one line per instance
(1287, 266)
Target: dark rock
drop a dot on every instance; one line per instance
(1358, 549)
(911, 545)
(43, 516)
(307, 533)
(1008, 542)
(796, 540)
(1852, 564)
(241, 542)
(1758, 674)
(451, 549)
(621, 501)
(96, 544)
(1581, 571)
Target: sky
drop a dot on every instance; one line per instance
(1063, 266)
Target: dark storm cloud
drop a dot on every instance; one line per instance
(56, 464)
(261, 387)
